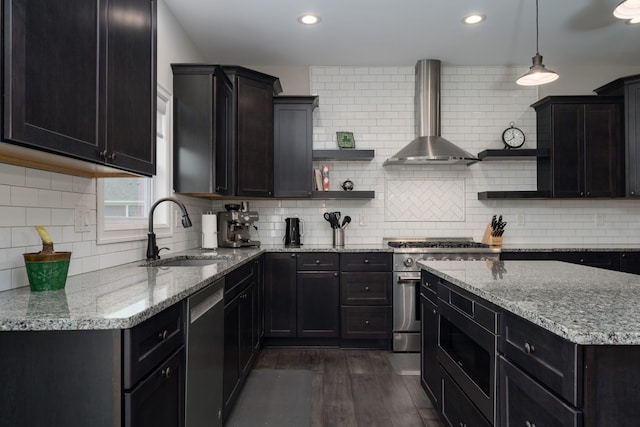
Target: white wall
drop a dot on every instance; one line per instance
(31, 197)
(583, 80)
(376, 103)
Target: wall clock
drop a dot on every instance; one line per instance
(512, 137)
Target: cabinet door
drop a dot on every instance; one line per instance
(52, 71)
(567, 150)
(293, 146)
(603, 153)
(632, 138)
(248, 332)
(202, 129)
(318, 303)
(429, 371)
(280, 295)
(158, 401)
(130, 96)
(254, 138)
(630, 262)
(231, 373)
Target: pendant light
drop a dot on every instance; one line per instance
(537, 74)
(628, 9)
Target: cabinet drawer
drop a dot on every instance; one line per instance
(545, 356)
(366, 261)
(237, 281)
(317, 261)
(149, 343)
(457, 409)
(465, 304)
(429, 285)
(366, 322)
(525, 402)
(365, 288)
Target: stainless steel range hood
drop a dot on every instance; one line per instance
(429, 147)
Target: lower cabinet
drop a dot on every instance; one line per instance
(99, 378)
(317, 303)
(630, 262)
(241, 331)
(280, 295)
(457, 409)
(430, 377)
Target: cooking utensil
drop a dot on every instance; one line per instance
(346, 221)
(333, 218)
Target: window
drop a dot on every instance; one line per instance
(123, 203)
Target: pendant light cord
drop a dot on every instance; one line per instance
(537, 52)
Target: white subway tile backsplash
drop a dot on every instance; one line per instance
(36, 178)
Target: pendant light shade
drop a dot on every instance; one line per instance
(628, 9)
(538, 73)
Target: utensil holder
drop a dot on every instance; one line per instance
(338, 237)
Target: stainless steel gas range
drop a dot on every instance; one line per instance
(406, 278)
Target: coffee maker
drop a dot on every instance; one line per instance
(234, 228)
(294, 230)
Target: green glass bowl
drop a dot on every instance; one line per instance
(47, 272)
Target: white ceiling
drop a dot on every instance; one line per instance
(399, 32)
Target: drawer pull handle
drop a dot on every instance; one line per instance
(366, 288)
(166, 373)
(528, 348)
(529, 424)
(163, 335)
(317, 261)
(366, 322)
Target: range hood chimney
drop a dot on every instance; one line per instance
(429, 147)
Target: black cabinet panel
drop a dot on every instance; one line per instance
(317, 261)
(280, 295)
(429, 367)
(630, 262)
(317, 304)
(80, 80)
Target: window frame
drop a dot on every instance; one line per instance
(162, 186)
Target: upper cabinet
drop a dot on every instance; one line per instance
(80, 80)
(583, 136)
(202, 159)
(293, 145)
(252, 130)
(629, 88)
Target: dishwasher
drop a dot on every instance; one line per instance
(205, 351)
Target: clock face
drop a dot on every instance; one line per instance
(513, 137)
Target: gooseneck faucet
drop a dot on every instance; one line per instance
(152, 247)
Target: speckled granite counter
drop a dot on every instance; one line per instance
(584, 305)
(123, 296)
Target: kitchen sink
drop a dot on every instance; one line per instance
(185, 261)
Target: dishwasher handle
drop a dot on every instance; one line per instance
(205, 305)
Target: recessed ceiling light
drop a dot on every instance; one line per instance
(474, 18)
(309, 19)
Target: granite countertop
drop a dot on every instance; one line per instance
(584, 305)
(123, 296)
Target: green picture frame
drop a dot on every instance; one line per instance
(345, 140)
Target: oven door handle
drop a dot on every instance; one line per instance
(408, 279)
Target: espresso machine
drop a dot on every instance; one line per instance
(234, 228)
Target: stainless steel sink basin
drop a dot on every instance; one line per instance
(184, 262)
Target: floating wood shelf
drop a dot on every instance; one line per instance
(343, 195)
(343, 155)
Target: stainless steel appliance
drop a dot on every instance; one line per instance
(406, 278)
(294, 230)
(234, 229)
(205, 350)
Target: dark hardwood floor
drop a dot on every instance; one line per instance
(355, 388)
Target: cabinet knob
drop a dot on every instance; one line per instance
(623, 255)
(582, 193)
(111, 158)
(588, 193)
(366, 288)
(163, 335)
(529, 424)
(633, 193)
(293, 255)
(366, 261)
(270, 193)
(166, 373)
(435, 311)
(336, 274)
(317, 261)
(366, 322)
(528, 348)
(581, 259)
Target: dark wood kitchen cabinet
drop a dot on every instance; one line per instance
(293, 145)
(280, 295)
(630, 262)
(80, 80)
(252, 130)
(104, 378)
(241, 325)
(365, 299)
(629, 88)
(202, 98)
(583, 135)
(430, 375)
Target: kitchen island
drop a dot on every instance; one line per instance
(565, 349)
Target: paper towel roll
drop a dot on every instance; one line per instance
(209, 231)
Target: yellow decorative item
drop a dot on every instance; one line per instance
(47, 270)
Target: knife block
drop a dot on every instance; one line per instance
(489, 239)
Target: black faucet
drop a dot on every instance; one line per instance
(152, 247)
